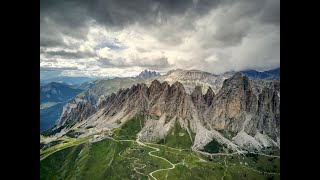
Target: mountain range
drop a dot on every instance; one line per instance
(249, 109)
(66, 80)
(147, 74)
(266, 75)
(212, 125)
(211, 110)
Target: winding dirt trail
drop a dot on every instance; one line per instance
(141, 166)
(225, 171)
(150, 153)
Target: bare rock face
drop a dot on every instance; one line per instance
(268, 115)
(166, 98)
(74, 111)
(250, 109)
(198, 99)
(232, 103)
(192, 78)
(208, 97)
(242, 106)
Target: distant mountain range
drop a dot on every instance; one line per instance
(266, 75)
(57, 92)
(53, 97)
(66, 80)
(147, 74)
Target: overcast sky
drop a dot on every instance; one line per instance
(124, 37)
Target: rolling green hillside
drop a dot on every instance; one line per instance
(122, 157)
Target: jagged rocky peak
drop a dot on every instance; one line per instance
(74, 111)
(237, 89)
(155, 86)
(231, 105)
(147, 74)
(237, 79)
(178, 85)
(240, 106)
(165, 84)
(176, 90)
(197, 93)
(208, 97)
(198, 98)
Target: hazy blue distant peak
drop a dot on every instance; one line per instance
(57, 92)
(67, 80)
(147, 74)
(267, 75)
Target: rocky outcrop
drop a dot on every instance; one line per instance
(75, 111)
(208, 97)
(231, 105)
(246, 107)
(202, 102)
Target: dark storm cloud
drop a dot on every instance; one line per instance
(119, 13)
(271, 12)
(51, 41)
(240, 34)
(239, 17)
(158, 63)
(70, 17)
(44, 69)
(70, 55)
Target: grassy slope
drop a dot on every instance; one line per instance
(100, 160)
(177, 137)
(109, 159)
(130, 129)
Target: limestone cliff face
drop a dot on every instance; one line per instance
(231, 105)
(192, 78)
(268, 114)
(167, 99)
(208, 97)
(75, 111)
(250, 109)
